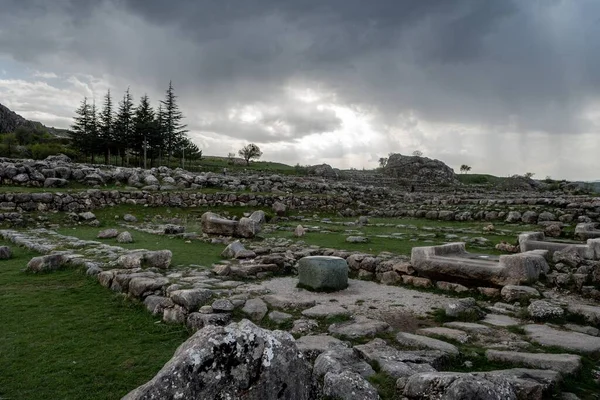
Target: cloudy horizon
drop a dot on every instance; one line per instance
(505, 86)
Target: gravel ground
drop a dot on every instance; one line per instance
(361, 297)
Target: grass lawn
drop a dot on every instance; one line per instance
(195, 252)
(66, 337)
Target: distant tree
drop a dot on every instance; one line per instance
(529, 175)
(144, 127)
(417, 153)
(464, 168)
(249, 152)
(124, 126)
(106, 127)
(174, 129)
(94, 132)
(230, 158)
(9, 140)
(383, 162)
(81, 131)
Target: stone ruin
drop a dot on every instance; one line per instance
(334, 339)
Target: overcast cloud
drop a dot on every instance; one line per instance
(506, 86)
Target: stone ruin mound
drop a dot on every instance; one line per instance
(420, 169)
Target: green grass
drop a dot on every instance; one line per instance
(66, 337)
(195, 252)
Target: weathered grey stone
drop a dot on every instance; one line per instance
(222, 305)
(299, 231)
(358, 328)
(566, 364)
(48, 263)
(197, 320)
(171, 229)
(255, 308)
(500, 320)
(279, 317)
(445, 332)
(247, 228)
(174, 315)
(398, 363)
(341, 359)
(108, 233)
(512, 293)
(589, 312)
(573, 341)
(357, 239)
(322, 273)
(124, 237)
(313, 345)
(237, 250)
(140, 285)
(5, 253)
(191, 299)
(157, 304)
(543, 310)
(279, 208)
(157, 259)
(237, 361)
(87, 216)
(465, 308)
(348, 385)
(469, 327)
(325, 310)
(513, 216)
(456, 386)
(129, 218)
(291, 302)
(423, 342)
(528, 384)
(217, 225)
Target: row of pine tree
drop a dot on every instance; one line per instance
(133, 135)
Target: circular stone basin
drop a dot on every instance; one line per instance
(322, 273)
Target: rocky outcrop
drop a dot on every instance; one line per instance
(239, 361)
(419, 169)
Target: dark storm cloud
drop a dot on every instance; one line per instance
(518, 64)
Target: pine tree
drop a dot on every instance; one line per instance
(106, 127)
(93, 139)
(80, 129)
(124, 137)
(174, 131)
(157, 140)
(144, 127)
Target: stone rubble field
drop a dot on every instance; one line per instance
(413, 314)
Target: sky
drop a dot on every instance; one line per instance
(504, 86)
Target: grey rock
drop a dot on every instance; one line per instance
(191, 299)
(5, 252)
(157, 259)
(567, 340)
(237, 250)
(322, 273)
(358, 328)
(469, 327)
(222, 305)
(464, 308)
(325, 310)
(313, 345)
(445, 332)
(512, 293)
(233, 362)
(87, 216)
(255, 308)
(398, 363)
(456, 386)
(157, 304)
(542, 310)
(174, 229)
(341, 359)
(500, 320)
(108, 234)
(279, 208)
(124, 237)
(348, 385)
(196, 320)
(357, 239)
(129, 218)
(566, 364)
(423, 342)
(48, 263)
(174, 315)
(279, 317)
(55, 182)
(140, 285)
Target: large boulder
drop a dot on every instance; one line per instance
(239, 361)
(322, 273)
(456, 386)
(50, 262)
(324, 170)
(216, 225)
(420, 169)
